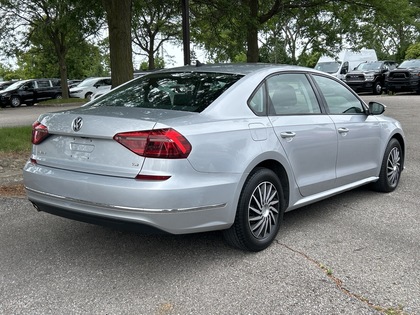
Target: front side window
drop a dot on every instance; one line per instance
(185, 91)
(338, 98)
(291, 94)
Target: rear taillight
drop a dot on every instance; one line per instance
(39, 132)
(160, 143)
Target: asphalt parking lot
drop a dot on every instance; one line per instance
(356, 253)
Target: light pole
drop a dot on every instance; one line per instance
(186, 31)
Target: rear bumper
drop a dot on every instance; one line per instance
(112, 201)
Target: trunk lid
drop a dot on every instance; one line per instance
(82, 139)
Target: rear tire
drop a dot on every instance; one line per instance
(391, 168)
(259, 213)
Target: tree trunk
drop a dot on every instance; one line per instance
(63, 77)
(252, 32)
(119, 25)
(61, 52)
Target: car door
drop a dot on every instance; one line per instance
(307, 135)
(358, 133)
(44, 89)
(27, 91)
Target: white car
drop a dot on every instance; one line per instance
(101, 91)
(90, 86)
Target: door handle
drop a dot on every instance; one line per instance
(343, 130)
(287, 134)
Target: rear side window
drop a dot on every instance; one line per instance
(184, 91)
(43, 84)
(291, 94)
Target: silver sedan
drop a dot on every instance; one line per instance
(213, 147)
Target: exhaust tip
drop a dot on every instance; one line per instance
(36, 207)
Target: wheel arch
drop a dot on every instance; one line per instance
(281, 172)
(400, 139)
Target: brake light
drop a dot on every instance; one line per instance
(160, 143)
(39, 132)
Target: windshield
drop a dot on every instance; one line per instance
(369, 66)
(185, 91)
(329, 67)
(14, 86)
(410, 64)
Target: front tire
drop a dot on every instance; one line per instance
(391, 168)
(15, 101)
(377, 88)
(259, 213)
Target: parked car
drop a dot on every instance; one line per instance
(88, 87)
(370, 76)
(29, 92)
(5, 84)
(101, 91)
(215, 147)
(406, 78)
(73, 83)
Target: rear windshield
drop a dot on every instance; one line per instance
(184, 91)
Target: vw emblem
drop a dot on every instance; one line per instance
(77, 124)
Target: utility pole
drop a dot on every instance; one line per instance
(186, 31)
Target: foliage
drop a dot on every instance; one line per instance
(153, 24)
(296, 30)
(413, 51)
(54, 38)
(159, 64)
(52, 26)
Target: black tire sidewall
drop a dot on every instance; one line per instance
(11, 101)
(383, 184)
(260, 175)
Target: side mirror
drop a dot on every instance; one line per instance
(376, 108)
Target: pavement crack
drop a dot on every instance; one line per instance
(339, 283)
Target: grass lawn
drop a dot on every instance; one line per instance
(15, 139)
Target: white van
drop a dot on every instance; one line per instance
(345, 61)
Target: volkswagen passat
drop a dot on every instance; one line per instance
(215, 147)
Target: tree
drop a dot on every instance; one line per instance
(154, 23)
(390, 28)
(118, 14)
(227, 28)
(63, 23)
(40, 61)
(413, 52)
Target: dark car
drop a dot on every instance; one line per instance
(370, 76)
(29, 92)
(406, 78)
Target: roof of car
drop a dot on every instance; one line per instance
(237, 68)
